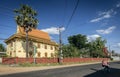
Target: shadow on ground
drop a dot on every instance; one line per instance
(100, 73)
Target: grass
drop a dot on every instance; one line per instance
(27, 64)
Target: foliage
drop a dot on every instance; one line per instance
(80, 47)
(96, 47)
(25, 17)
(2, 48)
(70, 51)
(78, 41)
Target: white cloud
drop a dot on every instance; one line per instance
(106, 31)
(106, 14)
(92, 37)
(118, 5)
(53, 30)
(96, 20)
(118, 44)
(116, 47)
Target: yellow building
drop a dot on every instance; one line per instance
(16, 44)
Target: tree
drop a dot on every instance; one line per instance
(79, 41)
(96, 47)
(70, 51)
(113, 52)
(25, 17)
(2, 48)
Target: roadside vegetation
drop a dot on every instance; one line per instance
(80, 46)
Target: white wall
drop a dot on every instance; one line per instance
(115, 57)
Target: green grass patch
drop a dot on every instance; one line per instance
(27, 64)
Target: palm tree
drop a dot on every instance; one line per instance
(25, 17)
(96, 47)
(100, 43)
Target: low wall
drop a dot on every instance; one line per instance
(49, 60)
(30, 60)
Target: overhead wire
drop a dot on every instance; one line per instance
(72, 15)
(7, 12)
(64, 12)
(2, 39)
(6, 7)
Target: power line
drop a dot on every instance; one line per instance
(7, 14)
(7, 29)
(2, 39)
(2, 25)
(4, 33)
(8, 11)
(6, 8)
(72, 14)
(64, 13)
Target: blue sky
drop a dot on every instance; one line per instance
(93, 18)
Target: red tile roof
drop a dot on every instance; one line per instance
(35, 33)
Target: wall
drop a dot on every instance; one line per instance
(19, 46)
(49, 60)
(115, 57)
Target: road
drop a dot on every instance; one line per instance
(93, 70)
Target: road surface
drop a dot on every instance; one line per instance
(93, 70)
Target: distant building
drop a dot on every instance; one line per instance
(16, 44)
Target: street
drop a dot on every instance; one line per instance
(93, 70)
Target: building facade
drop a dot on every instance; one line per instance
(39, 44)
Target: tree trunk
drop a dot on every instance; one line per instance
(26, 44)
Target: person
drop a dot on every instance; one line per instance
(105, 64)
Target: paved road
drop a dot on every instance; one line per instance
(94, 70)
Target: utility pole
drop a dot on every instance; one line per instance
(60, 46)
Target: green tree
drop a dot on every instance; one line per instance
(25, 17)
(2, 48)
(96, 47)
(79, 41)
(70, 51)
(113, 52)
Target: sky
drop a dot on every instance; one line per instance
(93, 18)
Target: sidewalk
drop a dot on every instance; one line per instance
(5, 69)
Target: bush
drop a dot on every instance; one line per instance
(111, 59)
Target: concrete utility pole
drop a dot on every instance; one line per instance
(60, 46)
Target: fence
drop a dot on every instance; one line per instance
(49, 60)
